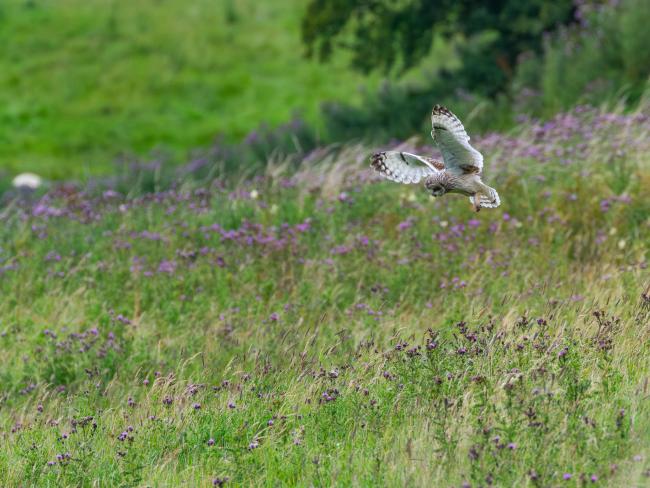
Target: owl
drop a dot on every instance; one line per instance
(460, 171)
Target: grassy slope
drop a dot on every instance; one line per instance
(133, 332)
(81, 81)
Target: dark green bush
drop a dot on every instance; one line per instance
(603, 57)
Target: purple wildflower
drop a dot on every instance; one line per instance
(167, 267)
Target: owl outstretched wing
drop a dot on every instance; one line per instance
(403, 167)
(452, 140)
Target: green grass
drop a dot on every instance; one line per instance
(82, 83)
(291, 298)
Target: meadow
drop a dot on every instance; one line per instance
(85, 83)
(314, 326)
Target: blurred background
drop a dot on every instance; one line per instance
(91, 87)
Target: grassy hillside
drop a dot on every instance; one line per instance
(81, 82)
(321, 328)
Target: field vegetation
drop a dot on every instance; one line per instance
(313, 326)
(83, 84)
(212, 288)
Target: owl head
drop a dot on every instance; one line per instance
(437, 185)
(438, 190)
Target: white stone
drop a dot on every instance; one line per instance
(27, 180)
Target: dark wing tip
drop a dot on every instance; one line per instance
(377, 162)
(441, 110)
(377, 159)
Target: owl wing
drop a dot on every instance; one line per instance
(403, 167)
(452, 140)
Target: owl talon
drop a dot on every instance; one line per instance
(476, 204)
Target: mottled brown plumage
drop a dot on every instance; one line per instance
(460, 172)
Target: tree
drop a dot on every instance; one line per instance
(394, 35)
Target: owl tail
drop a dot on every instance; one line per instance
(489, 198)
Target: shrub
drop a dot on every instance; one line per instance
(604, 58)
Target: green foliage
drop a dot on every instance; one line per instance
(603, 60)
(91, 90)
(83, 83)
(385, 34)
(588, 63)
(397, 111)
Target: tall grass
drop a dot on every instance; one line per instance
(316, 327)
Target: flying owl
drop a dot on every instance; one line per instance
(459, 173)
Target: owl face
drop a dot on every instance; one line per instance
(437, 190)
(437, 184)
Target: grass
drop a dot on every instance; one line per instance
(82, 83)
(316, 327)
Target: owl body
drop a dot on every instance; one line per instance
(461, 169)
(446, 182)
